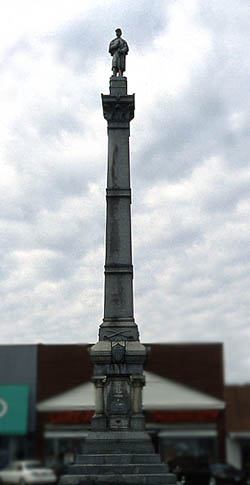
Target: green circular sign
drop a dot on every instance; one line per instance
(3, 407)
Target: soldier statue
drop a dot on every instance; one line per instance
(118, 49)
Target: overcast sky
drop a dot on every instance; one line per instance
(189, 67)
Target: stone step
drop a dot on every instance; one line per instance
(150, 479)
(119, 469)
(121, 459)
(92, 446)
(100, 442)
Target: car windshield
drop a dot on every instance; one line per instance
(221, 467)
(31, 466)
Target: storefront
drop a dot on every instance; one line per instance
(181, 421)
(183, 400)
(17, 402)
(64, 434)
(238, 425)
(186, 435)
(64, 422)
(13, 422)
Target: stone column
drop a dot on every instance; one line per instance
(118, 322)
(119, 355)
(137, 418)
(99, 419)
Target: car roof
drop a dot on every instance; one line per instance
(27, 461)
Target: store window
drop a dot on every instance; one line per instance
(16, 448)
(245, 450)
(188, 449)
(62, 450)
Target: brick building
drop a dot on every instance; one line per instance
(183, 399)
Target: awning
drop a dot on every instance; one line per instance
(13, 409)
(188, 433)
(81, 398)
(52, 434)
(240, 435)
(159, 393)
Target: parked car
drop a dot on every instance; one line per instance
(247, 482)
(214, 474)
(222, 473)
(27, 472)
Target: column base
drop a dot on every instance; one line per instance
(137, 422)
(99, 422)
(117, 331)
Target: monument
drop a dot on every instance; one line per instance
(118, 449)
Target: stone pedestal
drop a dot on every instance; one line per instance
(118, 449)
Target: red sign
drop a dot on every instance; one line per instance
(182, 416)
(70, 417)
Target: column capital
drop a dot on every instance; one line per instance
(118, 110)
(99, 381)
(138, 380)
